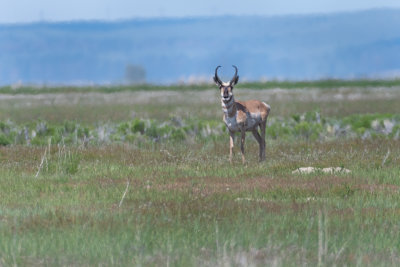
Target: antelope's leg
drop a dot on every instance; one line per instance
(262, 145)
(231, 144)
(260, 142)
(242, 139)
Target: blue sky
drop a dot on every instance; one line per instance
(21, 11)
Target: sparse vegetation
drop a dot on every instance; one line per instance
(62, 183)
(309, 126)
(317, 84)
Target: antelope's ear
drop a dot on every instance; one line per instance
(235, 80)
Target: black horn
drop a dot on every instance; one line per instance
(217, 80)
(235, 78)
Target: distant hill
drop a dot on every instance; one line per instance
(343, 45)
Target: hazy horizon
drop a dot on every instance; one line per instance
(26, 11)
(339, 45)
(177, 18)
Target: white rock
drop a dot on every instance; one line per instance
(335, 169)
(308, 170)
(305, 170)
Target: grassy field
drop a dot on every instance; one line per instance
(149, 196)
(271, 84)
(92, 107)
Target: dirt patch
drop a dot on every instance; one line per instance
(212, 185)
(378, 187)
(338, 185)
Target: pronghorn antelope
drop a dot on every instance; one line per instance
(242, 116)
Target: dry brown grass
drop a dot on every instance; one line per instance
(123, 106)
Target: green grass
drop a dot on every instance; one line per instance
(309, 126)
(92, 107)
(323, 83)
(159, 189)
(190, 207)
(286, 84)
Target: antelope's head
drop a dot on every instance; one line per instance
(226, 87)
